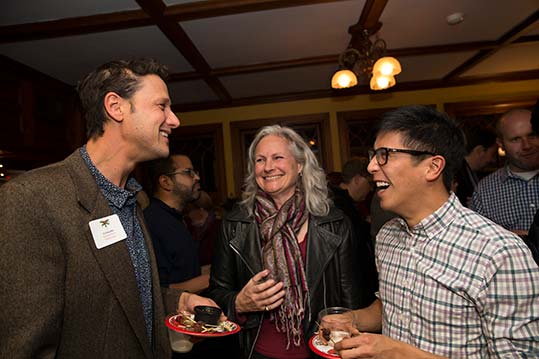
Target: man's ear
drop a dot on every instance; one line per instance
(478, 150)
(113, 106)
(435, 168)
(165, 182)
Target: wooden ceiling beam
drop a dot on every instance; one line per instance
(205, 9)
(370, 16)
(507, 39)
(359, 90)
(174, 32)
(137, 18)
(328, 59)
(74, 26)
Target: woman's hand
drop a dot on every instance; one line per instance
(260, 294)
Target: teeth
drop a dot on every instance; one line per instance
(163, 133)
(272, 177)
(382, 184)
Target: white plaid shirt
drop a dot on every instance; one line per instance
(507, 199)
(458, 285)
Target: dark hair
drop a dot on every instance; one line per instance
(159, 167)
(479, 136)
(121, 77)
(426, 129)
(353, 167)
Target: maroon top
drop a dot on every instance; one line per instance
(271, 343)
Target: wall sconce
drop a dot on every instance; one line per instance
(363, 58)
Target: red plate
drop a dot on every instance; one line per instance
(173, 322)
(322, 350)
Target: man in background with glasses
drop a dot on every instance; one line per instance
(174, 184)
(453, 284)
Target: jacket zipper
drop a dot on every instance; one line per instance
(260, 324)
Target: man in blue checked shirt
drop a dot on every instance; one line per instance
(510, 196)
(453, 284)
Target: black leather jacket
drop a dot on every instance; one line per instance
(330, 269)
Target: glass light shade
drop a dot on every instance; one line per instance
(343, 79)
(387, 66)
(381, 82)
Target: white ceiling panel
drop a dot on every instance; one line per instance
(282, 81)
(274, 35)
(17, 11)
(70, 58)
(430, 67)
(190, 92)
(519, 57)
(412, 23)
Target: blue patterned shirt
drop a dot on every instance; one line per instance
(507, 199)
(123, 203)
(459, 286)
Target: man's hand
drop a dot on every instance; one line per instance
(367, 345)
(188, 302)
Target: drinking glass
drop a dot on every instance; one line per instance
(336, 323)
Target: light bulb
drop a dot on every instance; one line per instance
(382, 82)
(387, 66)
(386, 69)
(343, 79)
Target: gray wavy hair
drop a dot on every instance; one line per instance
(313, 179)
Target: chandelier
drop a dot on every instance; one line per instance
(364, 59)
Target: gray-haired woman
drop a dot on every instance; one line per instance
(284, 253)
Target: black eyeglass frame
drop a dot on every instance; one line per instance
(383, 153)
(186, 172)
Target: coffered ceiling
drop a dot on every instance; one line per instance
(225, 53)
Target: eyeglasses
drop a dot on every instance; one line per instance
(186, 172)
(382, 154)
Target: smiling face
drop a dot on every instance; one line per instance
(276, 169)
(400, 183)
(149, 120)
(520, 143)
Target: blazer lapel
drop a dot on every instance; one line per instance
(114, 260)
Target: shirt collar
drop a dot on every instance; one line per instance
(117, 196)
(436, 222)
(167, 208)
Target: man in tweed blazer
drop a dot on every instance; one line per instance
(70, 290)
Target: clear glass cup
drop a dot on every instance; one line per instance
(335, 324)
(179, 342)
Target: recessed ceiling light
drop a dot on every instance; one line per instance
(455, 18)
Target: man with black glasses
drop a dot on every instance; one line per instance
(453, 284)
(175, 183)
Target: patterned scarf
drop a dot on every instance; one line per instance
(282, 256)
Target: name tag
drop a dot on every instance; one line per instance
(107, 231)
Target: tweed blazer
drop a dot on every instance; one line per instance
(61, 297)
